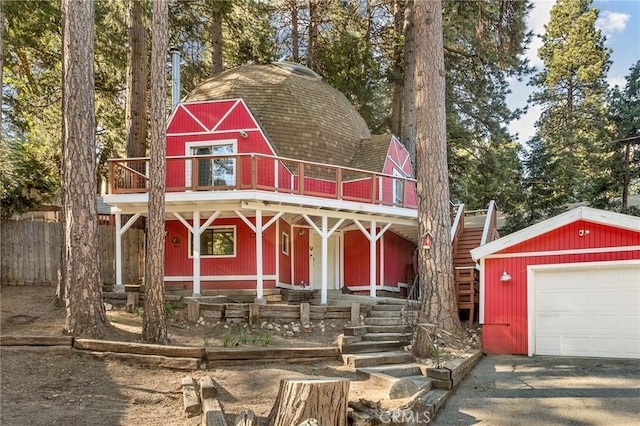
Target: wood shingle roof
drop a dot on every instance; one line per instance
(303, 117)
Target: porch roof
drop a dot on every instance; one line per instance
(404, 221)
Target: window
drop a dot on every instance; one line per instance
(212, 171)
(217, 242)
(398, 188)
(285, 243)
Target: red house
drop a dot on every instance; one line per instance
(274, 180)
(567, 286)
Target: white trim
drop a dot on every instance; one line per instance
(259, 257)
(381, 259)
(188, 146)
(564, 252)
(217, 132)
(482, 287)
(194, 118)
(532, 269)
(588, 214)
(286, 250)
(277, 251)
(177, 278)
(491, 210)
(224, 116)
(456, 221)
(202, 228)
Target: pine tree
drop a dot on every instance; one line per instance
(567, 153)
(438, 300)
(85, 309)
(154, 325)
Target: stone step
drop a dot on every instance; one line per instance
(386, 329)
(357, 330)
(376, 337)
(383, 321)
(376, 358)
(375, 346)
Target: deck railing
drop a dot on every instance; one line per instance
(264, 172)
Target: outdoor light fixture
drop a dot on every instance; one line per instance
(426, 240)
(301, 231)
(243, 134)
(175, 241)
(505, 277)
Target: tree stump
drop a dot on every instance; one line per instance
(323, 399)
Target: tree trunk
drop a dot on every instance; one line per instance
(313, 33)
(408, 120)
(216, 39)
(85, 309)
(295, 36)
(324, 400)
(154, 327)
(438, 304)
(395, 121)
(137, 69)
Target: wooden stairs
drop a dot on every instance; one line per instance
(468, 231)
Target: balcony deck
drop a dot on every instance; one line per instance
(186, 174)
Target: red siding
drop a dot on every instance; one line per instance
(505, 328)
(356, 259)
(398, 155)
(397, 255)
(301, 255)
(178, 262)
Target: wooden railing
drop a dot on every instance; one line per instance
(265, 172)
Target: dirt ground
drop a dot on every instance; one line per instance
(63, 386)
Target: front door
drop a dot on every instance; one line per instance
(333, 261)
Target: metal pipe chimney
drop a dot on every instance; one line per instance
(175, 77)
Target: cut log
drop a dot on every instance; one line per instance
(190, 398)
(355, 314)
(207, 388)
(193, 311)
(138, 348)
(254, 313)
(323, 399)
(213, 413)
(246, 418)
(305, 317)
(36, 341)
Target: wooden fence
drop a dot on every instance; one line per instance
(30, 253)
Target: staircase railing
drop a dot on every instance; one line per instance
(457, 227)
(490, 230)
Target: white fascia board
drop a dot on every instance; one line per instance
(580, 213)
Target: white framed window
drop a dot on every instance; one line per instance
(285, 243)
(216, 241)
(398, 187)
(212, 171)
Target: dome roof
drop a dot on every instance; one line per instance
(303, 117)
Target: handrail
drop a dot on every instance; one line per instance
(457, 221)
(488, 222)
(305, 172)
(273, 157)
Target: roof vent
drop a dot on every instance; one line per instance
(298, 69)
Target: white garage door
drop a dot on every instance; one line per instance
(589, 311)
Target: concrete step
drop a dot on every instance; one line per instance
(396, 370)
(376, 358)
(386, 329)
(376, 337)
(383, 321)
(372, 346)
(383, 307)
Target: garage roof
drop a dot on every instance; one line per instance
(589, 214)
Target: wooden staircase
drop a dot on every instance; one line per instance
(468, 231)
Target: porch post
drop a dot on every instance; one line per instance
(259, 276)
(119, 287)
(325, 251)
(372, 260)
(196, 253)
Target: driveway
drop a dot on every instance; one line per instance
(512, 390)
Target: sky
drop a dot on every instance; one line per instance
(619, 21)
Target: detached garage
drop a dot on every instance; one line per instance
(568, 286)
